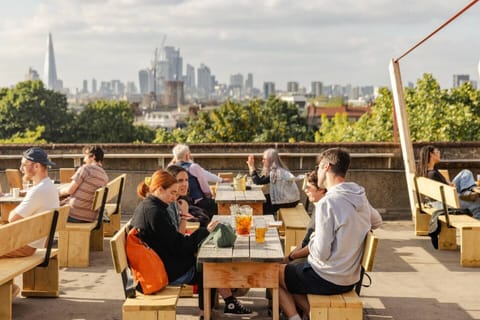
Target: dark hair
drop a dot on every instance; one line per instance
(95, 151)
(174, 170)
(423, 160)
(160, 178)
(338, 159)
(312, 178)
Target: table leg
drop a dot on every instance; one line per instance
(275, 304)
(206, 303)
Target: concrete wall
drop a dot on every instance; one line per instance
(385, 185)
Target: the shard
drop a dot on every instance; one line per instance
(49, 68)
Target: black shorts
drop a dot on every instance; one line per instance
(300, 278)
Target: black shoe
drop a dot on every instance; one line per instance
(234, 307)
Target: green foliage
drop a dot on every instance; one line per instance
(30, 137)
(29, 105)
(109, 121)
(270, 121)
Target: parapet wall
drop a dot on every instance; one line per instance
(376, 166)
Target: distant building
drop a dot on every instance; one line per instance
(32, 75)
(317, 88)
(268, 89)
(143, 80)
(292, 86)
(94, 86)
(85, 86)
(49, 67)
(459, 79)
(297, 99)
(205, 81)
(173, 94)
(249, 84)
(314, 113)
(160, 119)
(190, 78)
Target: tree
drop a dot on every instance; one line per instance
(29, 105)
(109, 121)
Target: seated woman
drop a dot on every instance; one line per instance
(429, 157)
(177, 251)
(282, 189)
(184, 203)
(314, 194)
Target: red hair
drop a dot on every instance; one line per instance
(160, 178)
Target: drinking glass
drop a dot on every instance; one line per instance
(260, 230)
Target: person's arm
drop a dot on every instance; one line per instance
(197, 171)
(68, 189)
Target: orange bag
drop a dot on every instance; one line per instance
(147, 267)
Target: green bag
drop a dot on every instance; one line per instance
(223, 236)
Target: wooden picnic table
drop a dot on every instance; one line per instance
(7, 204)
(247, 265)
(226, 196)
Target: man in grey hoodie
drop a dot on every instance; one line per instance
(342, 219)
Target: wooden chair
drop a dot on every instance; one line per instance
(116, 188)
(66, 174)
(14, 178)
(76, 240)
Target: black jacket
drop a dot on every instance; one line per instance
(156, 229)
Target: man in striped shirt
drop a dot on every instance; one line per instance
(85, 182)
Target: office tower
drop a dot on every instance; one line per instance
(204, 79)
(268, 89)
(317, 88)
(32, 74)
(94, 86)
(459, 79)
(49, 68)
(173, 94)
(131, 88)
(249, 84)
(236, 86)
(190, 77)
(85, 86)
(143, 80)
(292, 86)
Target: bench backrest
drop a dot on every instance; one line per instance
(120, 262)
(368, 258)
(98, 204)
(19, 233)
(14, 178)
(116, 187)
(435, 190)
(62, 217)
(66, 174)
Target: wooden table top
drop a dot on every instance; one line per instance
(225, 193)
(245, 248)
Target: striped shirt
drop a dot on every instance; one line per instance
(89, 178)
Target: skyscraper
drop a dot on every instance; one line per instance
(268, 89)
(459, 79)
(292, 86)
(317, 88)
(204, 78)
(49, 68)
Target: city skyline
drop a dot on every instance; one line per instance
(336, 43)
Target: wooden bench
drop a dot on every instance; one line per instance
(116, 188)
(66, 174)
(162, 305)
(468, 227)
(295, 221)
(40, 270)
(76, 240)
(14, 178)
(348, 305)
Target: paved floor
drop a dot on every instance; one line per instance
(411, 281)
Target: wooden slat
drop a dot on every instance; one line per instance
(166, 299)
(66, 174)
(117, 245)
(431, 189)
(13, 235)
(13, 267)
(369, 251)
(14, 178)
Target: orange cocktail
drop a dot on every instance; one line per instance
(243, 224)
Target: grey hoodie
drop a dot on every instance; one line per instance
(342, 219)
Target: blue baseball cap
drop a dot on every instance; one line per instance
(36, 154)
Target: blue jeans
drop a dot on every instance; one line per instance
(185, 278)
(464, 180)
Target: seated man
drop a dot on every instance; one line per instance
(198, 179)
(41, 197)
(85, 182)
(342, 219)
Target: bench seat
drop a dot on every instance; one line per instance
(468, 227)
(336, 307)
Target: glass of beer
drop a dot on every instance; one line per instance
(260, 229)
(243, 222)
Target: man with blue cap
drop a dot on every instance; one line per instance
(41, 197)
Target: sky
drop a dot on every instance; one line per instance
(333, 41)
